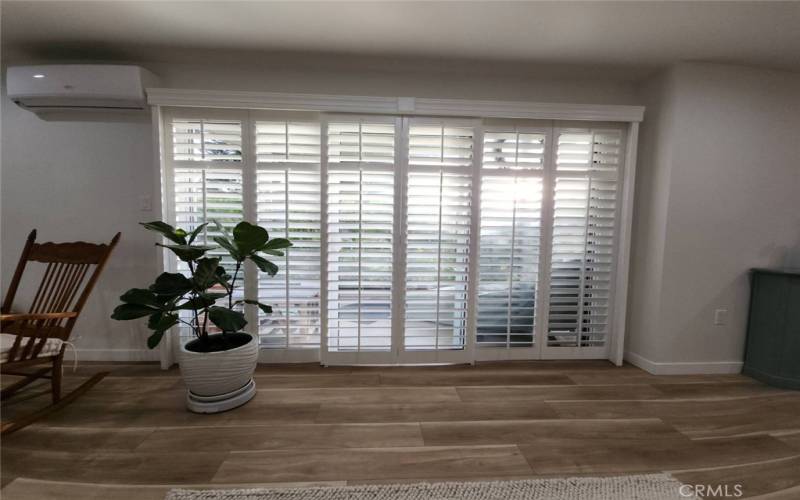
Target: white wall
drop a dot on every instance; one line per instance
(651, 199)
(720, 171)
(83, 180)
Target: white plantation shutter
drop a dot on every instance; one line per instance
(360, 205)
(288, 205)
(440, 171)
(385, 213)
(205, 195)
(361, 143)
(207, 183)
(207, 177)
(511, 205)
(513, 149)
(584, 226)
(206, 140)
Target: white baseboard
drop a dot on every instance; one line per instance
(113, 355)
(684, 368)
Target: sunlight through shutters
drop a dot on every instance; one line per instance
(510, 225)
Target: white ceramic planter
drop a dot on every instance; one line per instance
(210, 374)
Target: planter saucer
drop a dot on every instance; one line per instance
(221, 402)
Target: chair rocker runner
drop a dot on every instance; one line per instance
(32, 344)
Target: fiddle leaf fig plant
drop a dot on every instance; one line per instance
(207, 284)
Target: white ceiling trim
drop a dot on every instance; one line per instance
(393, 105)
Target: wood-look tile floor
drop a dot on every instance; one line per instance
(131, 437)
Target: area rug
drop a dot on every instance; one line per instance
(642, 487)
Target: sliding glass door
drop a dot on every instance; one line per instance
(416, 240)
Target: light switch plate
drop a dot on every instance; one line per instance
(145, 203)
(720, 317)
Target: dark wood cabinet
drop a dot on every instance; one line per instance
(773, 330)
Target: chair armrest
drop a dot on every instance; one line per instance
(37, 316)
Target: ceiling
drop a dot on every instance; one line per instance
(643, 35)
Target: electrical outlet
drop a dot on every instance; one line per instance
(720, 317)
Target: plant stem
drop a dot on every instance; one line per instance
(197, 331)
(205, 322)
(187, 323)
(233, 284)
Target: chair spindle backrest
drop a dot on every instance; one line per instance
(65, 286)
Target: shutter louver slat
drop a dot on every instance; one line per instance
(359, 229)
(288, 205)
(437, 234)
(584, 225)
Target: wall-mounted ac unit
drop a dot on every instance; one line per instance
(80, 91)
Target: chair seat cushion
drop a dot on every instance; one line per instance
(51, 347)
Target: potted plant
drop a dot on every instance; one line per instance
(218, 363)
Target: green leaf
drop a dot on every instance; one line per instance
(154, 339)
(276, 244)
(227, 245)
(195, 303)
(141, 296)
(265, 265)
(222, 229)
(124, 312)
(171, 285)
(248, 238)
(205, 273)
(225, 319)
(188, 253)
(162, 321)
(267, 309)
(196, 232)
(223, 278)
(202, 301)
(213, 295)
(276, 253)
(169, 232)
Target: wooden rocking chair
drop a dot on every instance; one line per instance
(39, 337)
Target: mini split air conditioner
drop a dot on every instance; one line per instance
(81, 91)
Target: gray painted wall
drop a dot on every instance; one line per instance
(720, 185)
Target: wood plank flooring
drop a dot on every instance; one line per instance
(131, 437)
